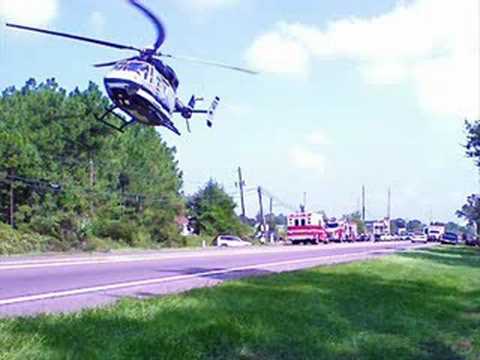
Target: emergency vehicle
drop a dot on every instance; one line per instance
(435, 231)
(335, 230)
(306, 228)
(341, 230)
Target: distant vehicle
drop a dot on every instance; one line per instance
(406, 236)
(351, 231)
(336, 230)
(306, 228)
(363, 237)
(435, 231)
(419, 238)
(472, 241)
(387, 237)
(381, 228)
(230, 241)
(450, 238)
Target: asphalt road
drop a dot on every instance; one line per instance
(36, 285)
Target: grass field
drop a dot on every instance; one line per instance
(420, 305)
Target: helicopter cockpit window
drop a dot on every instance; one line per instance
(120, 66)
(171, 76)
(138, 67)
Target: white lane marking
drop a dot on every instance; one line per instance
(82, 291)
(134, 258)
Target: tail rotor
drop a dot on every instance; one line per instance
(212, 110)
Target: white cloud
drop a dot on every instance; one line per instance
(432, 45)
(318, 137)
(272, 52)
(29, 12)
(305, 159)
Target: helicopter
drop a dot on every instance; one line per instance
(143, 86)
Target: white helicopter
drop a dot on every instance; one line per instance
(143, 86)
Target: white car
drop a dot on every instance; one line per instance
(387, 238)
(230, 241)
(419, 238)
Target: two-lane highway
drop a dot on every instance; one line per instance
(61, 284)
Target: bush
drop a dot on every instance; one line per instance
(197, 241)
(103, 245)
(16, 242)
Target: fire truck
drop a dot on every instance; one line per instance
(341, 230)
(306, 228)
(351, 231)
(335, 230)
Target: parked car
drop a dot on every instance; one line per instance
(419, 238)
(363, 237)
(230, 241)
(450, 238)
(472, 241)
(387, 237)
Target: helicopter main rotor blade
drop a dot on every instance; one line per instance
(112, 63)
(210, 63)
(161, 32)
(74, 37)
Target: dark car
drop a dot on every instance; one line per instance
(363, 237)
(450, 238)
(471, 240)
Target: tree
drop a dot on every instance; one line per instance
(281, 219)
(213, 212)
(455, 228)
(397, 224)
(473, 141)
(356, 217)
(471, 211)
(415, 226)
(111, 185)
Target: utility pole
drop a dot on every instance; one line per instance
(260, 203)
(271, 206)
(363, 203)
(12, 198)
(389, 204)
(305, 201)
(93, 173)
(241, 184)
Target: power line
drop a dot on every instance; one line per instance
(57, 188)
(278, 200)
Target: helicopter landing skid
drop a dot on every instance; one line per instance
(110, 110)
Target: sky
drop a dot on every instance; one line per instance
(350, 92)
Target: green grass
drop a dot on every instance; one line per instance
(421, 305)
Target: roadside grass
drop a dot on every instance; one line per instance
(417, 305)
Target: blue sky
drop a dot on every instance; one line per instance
(350, 93)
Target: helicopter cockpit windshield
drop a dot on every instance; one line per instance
(136, 66)
(167, 72)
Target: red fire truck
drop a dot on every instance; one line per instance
(306, 228)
